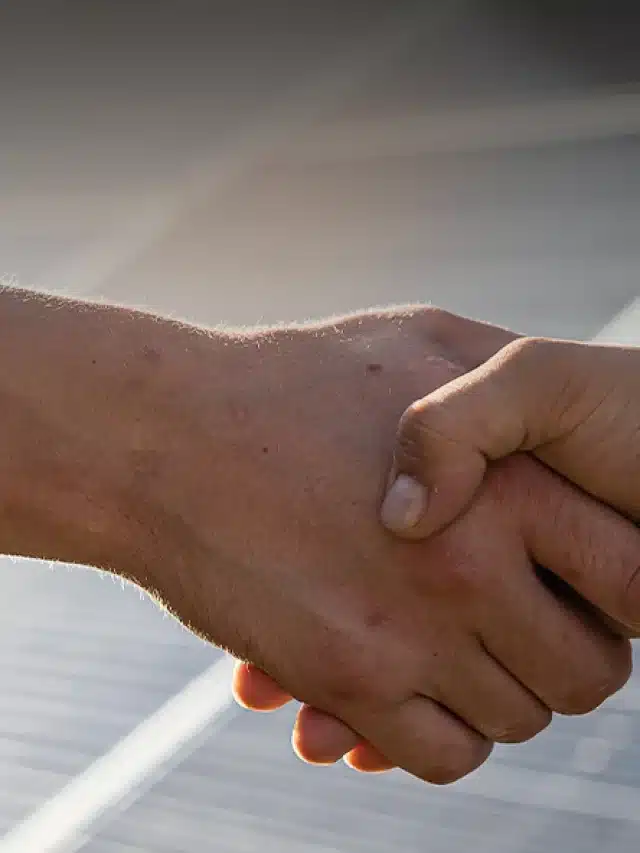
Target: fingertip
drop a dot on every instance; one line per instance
(254, 690)
(366, 759)
(321, 739)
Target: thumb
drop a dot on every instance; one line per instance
(445, 440)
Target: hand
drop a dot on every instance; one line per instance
(320, 738)
(237, 477)
(576, 406)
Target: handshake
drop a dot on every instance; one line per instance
(424, 590)
(519, 600)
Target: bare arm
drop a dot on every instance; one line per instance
(90, 401)
(238, 478)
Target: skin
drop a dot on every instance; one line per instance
(237, 478)
(575, 406)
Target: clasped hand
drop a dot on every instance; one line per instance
(517, 603)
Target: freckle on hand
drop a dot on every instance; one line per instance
(374, 368)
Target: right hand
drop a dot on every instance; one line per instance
(264, 516)
(576, 406)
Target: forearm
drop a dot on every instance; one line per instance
(89, 398)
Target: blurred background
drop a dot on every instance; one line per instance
(238, 161)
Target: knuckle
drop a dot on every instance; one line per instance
(527, 349)
(622, 668)
(424, 428)
(590, 692)
(521, 730)
(456, 763)
(577, 702)
(411, 433)
(630, 604)
(429, 321)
